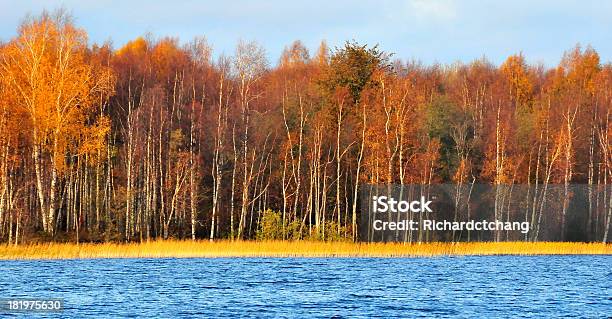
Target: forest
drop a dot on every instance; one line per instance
(160, 138)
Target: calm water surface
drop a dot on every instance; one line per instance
(486, 287)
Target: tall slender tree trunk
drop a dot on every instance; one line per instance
(357, 173)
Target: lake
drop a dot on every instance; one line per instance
(499, 286)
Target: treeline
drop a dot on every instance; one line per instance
(157, 139)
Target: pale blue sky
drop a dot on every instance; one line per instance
(430, 31)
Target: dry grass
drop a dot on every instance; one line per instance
(187, 249)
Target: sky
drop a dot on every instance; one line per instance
(430, 31)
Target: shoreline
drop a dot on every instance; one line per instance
(291, 249)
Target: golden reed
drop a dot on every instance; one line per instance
(190, 249)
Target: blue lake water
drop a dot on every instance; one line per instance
(486, 287)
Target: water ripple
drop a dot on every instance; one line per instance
(504, 286)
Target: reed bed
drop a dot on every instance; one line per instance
(207, 249)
